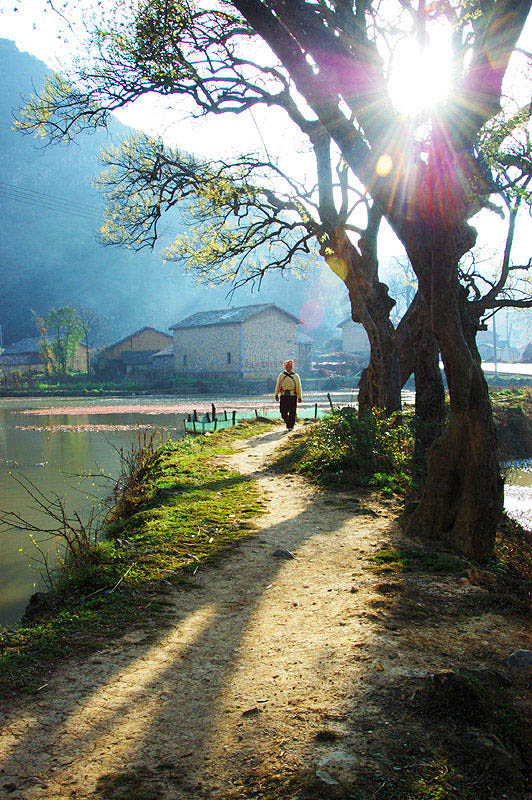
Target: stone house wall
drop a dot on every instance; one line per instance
(207, 348)
(256, 348)
(268, 339)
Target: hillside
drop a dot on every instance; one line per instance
(49, 253)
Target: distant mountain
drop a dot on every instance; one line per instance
(49, 253)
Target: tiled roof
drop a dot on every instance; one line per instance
(226, 316)
(19, 359)
(302, 338)
(31, 345)
(165, 352)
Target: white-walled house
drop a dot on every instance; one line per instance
(354, 337)
(251, 341)
(304, 354)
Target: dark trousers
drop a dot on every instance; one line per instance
(287, 407)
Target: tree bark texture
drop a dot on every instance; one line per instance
(379, 386)
(462, 499)
(419, 354)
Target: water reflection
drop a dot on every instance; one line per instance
(52, 454)
(518, 492)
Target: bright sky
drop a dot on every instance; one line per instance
(419, 78)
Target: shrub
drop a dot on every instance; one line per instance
(343, 449)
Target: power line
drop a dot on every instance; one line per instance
(46, 195)
(49, 202)
(72, 211)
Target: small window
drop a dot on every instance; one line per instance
(184, 359)
(228, 358)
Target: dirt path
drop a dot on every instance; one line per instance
(270, 665)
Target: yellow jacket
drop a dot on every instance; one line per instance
(288, 382)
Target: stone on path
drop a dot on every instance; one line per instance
(520, 659)
(281, 552)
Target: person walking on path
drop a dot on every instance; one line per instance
(288, 392)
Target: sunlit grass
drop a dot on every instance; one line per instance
(189, 510)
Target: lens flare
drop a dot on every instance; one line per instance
(312, 313)
(384, 165)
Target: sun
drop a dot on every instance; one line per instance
(420, 76)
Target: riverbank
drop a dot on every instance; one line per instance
(512, 410)
(325, 656)
(509, 376)
(138, 558)
(79, 386)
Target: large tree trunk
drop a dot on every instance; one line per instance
(462, 499)
(419, 354)
(430, 397)
(427, 198)
(463, 495)
(379, 386)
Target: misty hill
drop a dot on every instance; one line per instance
(50, 256)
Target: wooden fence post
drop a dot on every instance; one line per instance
(330, 401)
(234, 417)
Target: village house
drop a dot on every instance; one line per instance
(354, 337)
(501, 349)
(27, 356)
(163, 362)
(304, 354)
(133, 354)
(248, 341)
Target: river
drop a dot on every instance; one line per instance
(518, 492)
(52, 442)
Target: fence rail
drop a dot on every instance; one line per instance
(214, 420)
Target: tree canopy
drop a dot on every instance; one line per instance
(326, 65)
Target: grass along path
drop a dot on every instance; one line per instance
(282, 678)
(182, 511)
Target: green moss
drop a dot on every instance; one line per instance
(391, 560)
